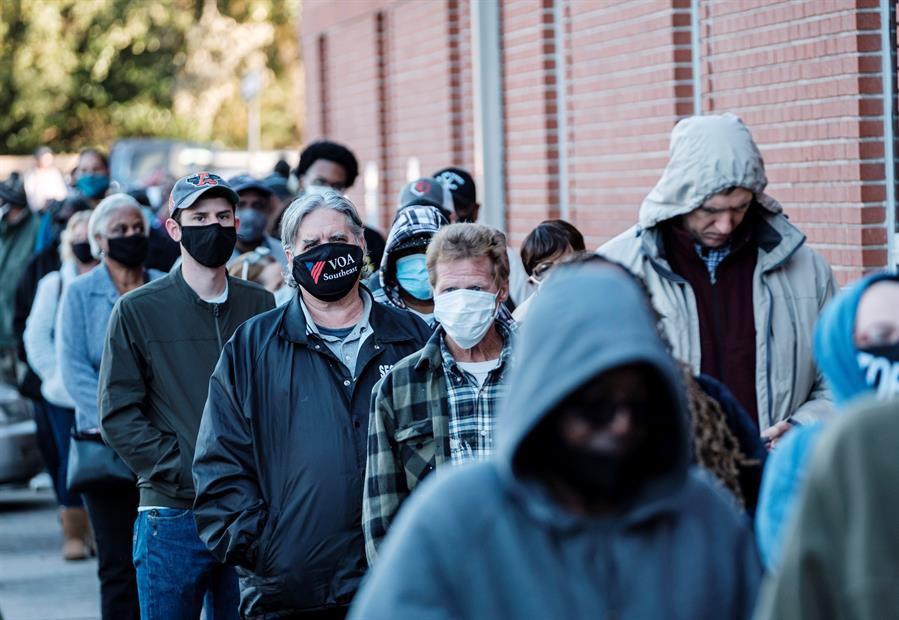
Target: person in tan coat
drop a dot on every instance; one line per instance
(737, 287)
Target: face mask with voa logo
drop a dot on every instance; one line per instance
(329, 271)
(881, 368)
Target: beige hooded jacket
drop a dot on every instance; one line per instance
(791, 284)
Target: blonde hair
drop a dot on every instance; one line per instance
(65, 239)
(461, 241)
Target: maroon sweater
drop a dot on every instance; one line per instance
(726, 310)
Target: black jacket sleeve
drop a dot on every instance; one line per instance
(229, 509)
(121, 393)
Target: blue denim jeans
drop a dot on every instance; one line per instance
(61, 421)
(176, 572)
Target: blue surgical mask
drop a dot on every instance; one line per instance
(252, 225)
(92, 185)
(412, 275)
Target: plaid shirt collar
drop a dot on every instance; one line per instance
(713, 257)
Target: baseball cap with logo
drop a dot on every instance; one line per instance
(424, 191)
(191, 188)
(459, 182)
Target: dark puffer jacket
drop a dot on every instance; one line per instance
(280, 458)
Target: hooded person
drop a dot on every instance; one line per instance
(403, 276)
(839, 559)
(589, 507)
(715, 249)
(853, 347)
(18, 230)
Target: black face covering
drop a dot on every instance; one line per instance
(608, 478)
(881, 367)
(82, 252)
(131, 251)
(210, 245)
(328, 272)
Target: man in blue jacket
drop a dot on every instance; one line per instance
(280, 457)
(589, 508)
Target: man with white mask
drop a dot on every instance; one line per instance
(437, 406)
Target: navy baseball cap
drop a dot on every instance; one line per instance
(191, 188)
(244, 182)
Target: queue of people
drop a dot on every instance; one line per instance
(301, 419)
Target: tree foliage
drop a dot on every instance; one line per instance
(85, 72)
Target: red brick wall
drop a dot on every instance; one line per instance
(418, 79)
(803, 75)
(629, 83)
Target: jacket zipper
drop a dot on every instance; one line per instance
(216, 309)
(716, 321)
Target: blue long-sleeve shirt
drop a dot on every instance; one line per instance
(86, 307)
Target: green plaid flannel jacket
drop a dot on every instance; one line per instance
(408, 435)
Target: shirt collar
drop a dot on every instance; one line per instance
(362, 323)
(507, 329)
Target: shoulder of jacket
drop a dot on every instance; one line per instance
(404, 319)
(259, 324)
(148, 293)
(252, 294)
(478, 484)
(406, 371)
(704, 497)
(247, 287)
(623, 247)
(51, 279)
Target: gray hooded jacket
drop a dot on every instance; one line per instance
(486, 541)
(791, 283)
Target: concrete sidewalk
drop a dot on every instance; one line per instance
(35, 582)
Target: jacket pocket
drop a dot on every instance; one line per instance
(417, 448)
(263, 555)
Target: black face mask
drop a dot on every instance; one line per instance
(328, 272)
(211, 245)
(82, 252)
(609, 478)
(879, 366)
(131, 251)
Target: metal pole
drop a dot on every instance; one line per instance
(254, 128)
(887, 66)
(489, 128)
(561, 108)
(696, 57)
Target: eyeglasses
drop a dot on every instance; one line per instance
(541, 270)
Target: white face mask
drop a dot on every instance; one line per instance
(465, 315)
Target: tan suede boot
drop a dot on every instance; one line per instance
(76, 532)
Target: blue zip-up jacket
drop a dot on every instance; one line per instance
(785, 471)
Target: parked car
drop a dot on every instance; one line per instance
(20, 459)
(138, 162)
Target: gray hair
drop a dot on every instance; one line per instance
(306, 204)
(96, 226)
